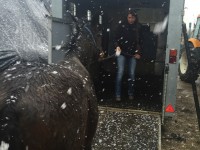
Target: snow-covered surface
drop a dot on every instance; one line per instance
(24, 27)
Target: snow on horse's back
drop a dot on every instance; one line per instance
(24, 31)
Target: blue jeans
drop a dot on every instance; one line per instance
(121, 60)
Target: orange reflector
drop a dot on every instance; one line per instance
(169, 109)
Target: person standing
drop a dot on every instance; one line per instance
(127, 51)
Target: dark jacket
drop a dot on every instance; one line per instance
(127, 38)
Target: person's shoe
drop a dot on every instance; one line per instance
(130, 97)
(118, 99)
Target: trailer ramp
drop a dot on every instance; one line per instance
(127, 129)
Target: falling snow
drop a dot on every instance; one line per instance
(69, 91)
(63, 106)
(58, 47)
(54, 72)
(8, 75)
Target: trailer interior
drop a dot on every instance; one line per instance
(150, 68)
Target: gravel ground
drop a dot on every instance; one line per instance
(126, 131)
(181, 132)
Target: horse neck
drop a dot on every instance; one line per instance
(74, 64)
(84, 46)
(75, 57)
(85, 50)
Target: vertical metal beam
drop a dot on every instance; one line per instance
(60, 30)
(50, 39)
(57, 8)
(173, 42)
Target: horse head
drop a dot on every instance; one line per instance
(85, 43)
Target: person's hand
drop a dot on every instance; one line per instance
(137, 56)
(118, 51)
(102, 54)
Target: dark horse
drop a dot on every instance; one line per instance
(49, 106)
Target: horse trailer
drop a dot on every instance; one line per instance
(156, 71)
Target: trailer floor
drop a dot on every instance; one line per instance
(148, 93)
(125, 129)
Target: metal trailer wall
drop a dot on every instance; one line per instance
(61, 29)
(152, 16)
(173, 42)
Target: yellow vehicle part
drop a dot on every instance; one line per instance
(195, 42)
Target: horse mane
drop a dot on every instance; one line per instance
(8, 58)
(83, 43)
